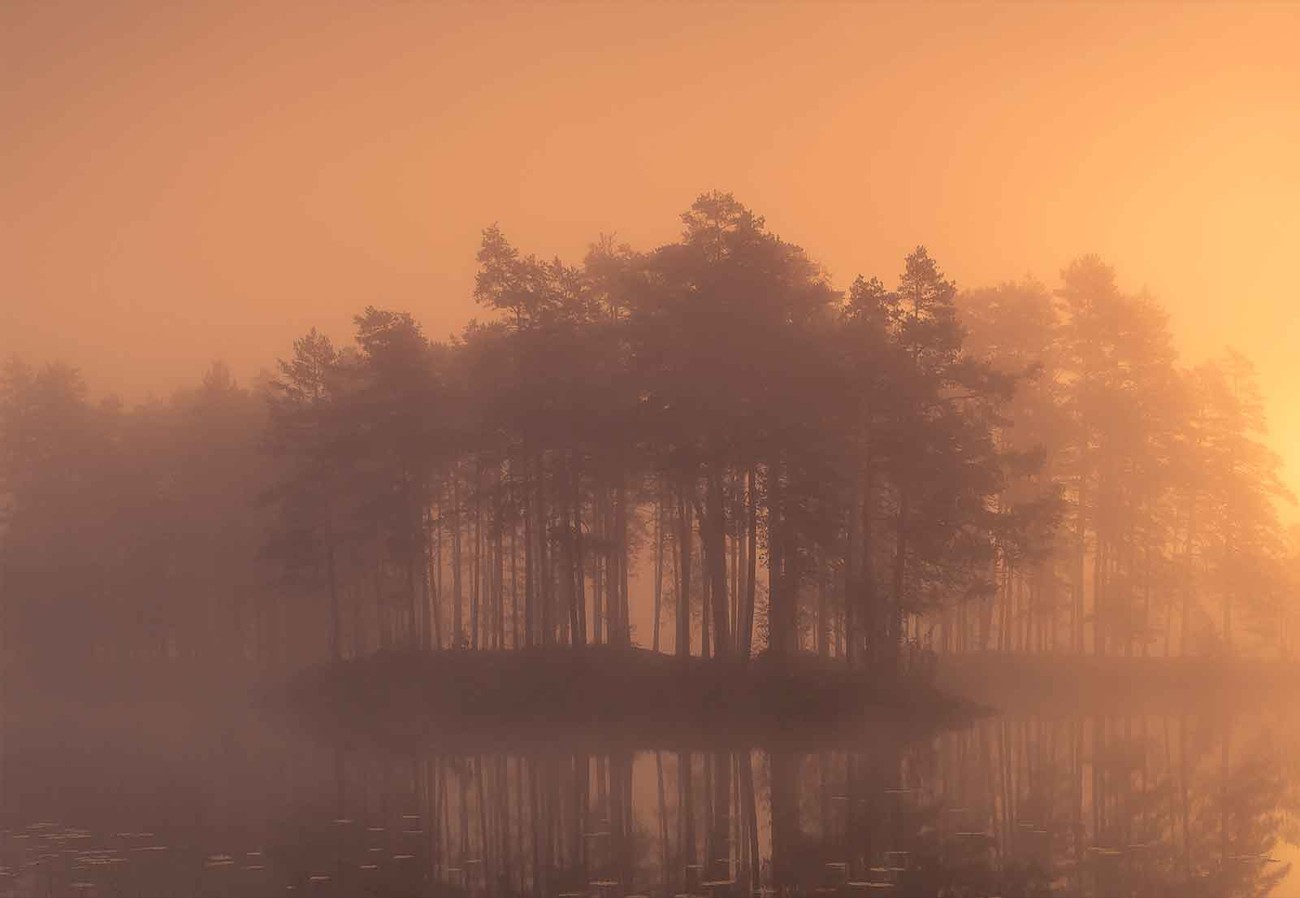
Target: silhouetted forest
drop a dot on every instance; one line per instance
(706, 449)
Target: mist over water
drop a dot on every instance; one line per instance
(230, 803)
(648, 450)
(687, 573)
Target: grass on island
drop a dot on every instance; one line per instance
(649, 697)
(1073, 683)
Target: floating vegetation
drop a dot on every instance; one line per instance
(99, 861)
(1104, 851)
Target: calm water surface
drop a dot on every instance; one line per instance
(167, 801)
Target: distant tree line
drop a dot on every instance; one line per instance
(132, 537)
(708, 438)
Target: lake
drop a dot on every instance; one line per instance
(168, 800)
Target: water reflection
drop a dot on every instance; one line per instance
(1142, 805)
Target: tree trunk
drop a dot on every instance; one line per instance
(457, 623)
(621, 584)
(530, 563)
(336, 633)
(683, 642)
(1080, 550)
(782, 599)
(658, 576)
(714, 541)
(900, 581)
(751, 567)
(579, 572)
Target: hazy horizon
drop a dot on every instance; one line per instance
(725, 449)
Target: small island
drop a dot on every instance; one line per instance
(609, 694)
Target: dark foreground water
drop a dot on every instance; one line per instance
(173, 801)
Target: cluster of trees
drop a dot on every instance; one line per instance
(1170, 540)
(705, 448)
(790, 466)
(131, 539)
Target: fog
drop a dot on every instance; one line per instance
(471, 449)
(207, 181)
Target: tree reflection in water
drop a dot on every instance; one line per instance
(1138, 805)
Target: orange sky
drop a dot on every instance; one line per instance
(183, 182)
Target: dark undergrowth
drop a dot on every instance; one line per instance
(1070, 683)
(604, 694)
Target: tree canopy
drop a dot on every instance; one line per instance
(706, 448)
